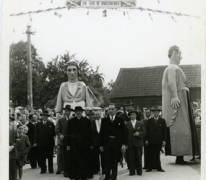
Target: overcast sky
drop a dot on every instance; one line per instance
(113, 42)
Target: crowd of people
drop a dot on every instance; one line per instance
(87, 141)
(90, 140)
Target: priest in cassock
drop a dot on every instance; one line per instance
(80, 145)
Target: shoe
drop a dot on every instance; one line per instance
(183, 162)
(51, 171)
(144, 168)
(131, 174)
(58, 172)
(27, 162)
(161, 170)
(148, 170)
(140, 174)
(42, 172)
(193, 159)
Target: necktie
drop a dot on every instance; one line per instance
(156, 120)
(133, 124)
(112, 118)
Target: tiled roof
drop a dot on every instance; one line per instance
(147, 81)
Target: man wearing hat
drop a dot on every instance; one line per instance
(33, 153)
(44, 139)
(155, 138)
(128, 107)
(89, 113)
(61, 130)
(79, 144)
(135, 131)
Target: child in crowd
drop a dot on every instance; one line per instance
(23, 148)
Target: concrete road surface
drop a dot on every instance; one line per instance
(191, 171)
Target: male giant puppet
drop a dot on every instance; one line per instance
(74, 92)
(176, 110)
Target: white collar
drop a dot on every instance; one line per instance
(112, 116)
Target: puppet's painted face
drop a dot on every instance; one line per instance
(178, 57)
(72, 72)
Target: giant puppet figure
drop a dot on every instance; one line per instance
(176, 110)
(74, 92)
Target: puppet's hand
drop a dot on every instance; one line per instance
(175, 103)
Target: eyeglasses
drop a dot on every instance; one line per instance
(112, 109)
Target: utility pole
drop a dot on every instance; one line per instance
(29, 69)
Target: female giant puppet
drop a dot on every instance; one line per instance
(74, 92)
(176, 110)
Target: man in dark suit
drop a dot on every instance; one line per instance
(135, 132)
(13, 143)
(97, 154)
(146, 150)
(44, 138)
(33, 153)
(61, 130)
(113, 137)
(80, 144)
(156, 138)
(128, 106)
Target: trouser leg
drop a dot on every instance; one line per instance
(115, 158)
(60, 158)
(138, 159)
(12, 169)
(131, 153)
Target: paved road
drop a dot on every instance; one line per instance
(190, 171)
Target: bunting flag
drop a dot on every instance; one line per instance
(58, 15)
(30, 18)
(174, 19)
(105, 13)
(128, 14)
(150, 16)
(77, 6)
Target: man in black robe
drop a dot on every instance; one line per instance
(79, 144)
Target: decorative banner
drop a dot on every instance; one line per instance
(100, 3)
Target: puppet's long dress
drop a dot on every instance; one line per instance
(181, 136)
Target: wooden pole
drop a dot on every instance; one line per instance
(29, 69)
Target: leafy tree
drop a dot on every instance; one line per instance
(18, 73)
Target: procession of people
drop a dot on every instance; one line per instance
(88, 145)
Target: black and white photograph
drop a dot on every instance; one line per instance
(102, 90)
